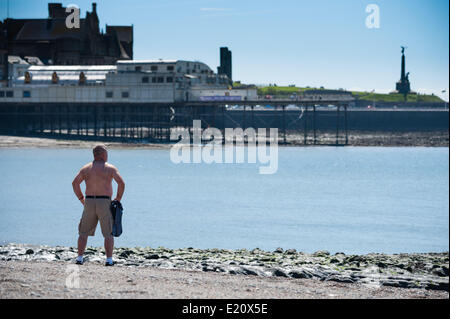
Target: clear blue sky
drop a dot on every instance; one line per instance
(307, 43)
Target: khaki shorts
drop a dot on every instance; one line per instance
(96, 209)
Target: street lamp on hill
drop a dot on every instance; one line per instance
(445, 103)
(373, 92)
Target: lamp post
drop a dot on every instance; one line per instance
(445, 103)
(373, 100)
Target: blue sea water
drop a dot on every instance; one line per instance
(351, 200)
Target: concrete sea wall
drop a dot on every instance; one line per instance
(357, 120)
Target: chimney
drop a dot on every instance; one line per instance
(56, 10)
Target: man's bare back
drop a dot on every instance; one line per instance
(98, 177)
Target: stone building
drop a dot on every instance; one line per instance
(225, 63)
(53, 43)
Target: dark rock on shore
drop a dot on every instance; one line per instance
(300, 274)
(321, 253)
(279, 273)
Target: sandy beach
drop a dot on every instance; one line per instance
(28, 271)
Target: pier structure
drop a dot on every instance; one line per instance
(300, 121)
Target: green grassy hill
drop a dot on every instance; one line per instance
(377, 97)
(393, 97)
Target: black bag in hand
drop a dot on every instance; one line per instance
(116, 212)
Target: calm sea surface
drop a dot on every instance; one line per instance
(354, 200)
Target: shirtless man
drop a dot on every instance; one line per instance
(98, 176)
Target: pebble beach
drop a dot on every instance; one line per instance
(30, 271)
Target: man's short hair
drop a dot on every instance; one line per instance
(99, 149)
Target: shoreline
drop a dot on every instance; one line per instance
(14, 142)
(423, 272)
(360, 139)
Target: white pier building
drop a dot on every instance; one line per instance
(129, 81)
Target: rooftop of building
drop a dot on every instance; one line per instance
(147, 61)
(72, 68)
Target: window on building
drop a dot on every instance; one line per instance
(169, 79)
(145, 79)
(125, 94)
(154, 68)
(154, 79)
(160, 79)
(2, 93)
(170, 68)
(9, 93)
(109, 94)
(26, 94)
(138, 68)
